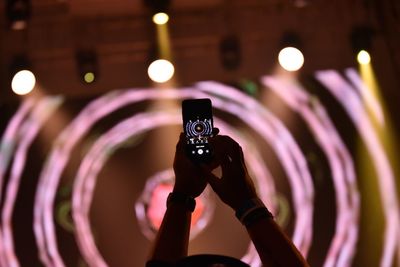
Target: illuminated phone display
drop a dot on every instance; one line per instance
(198, 127)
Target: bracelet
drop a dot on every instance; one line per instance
(255, 215)
(247, 207)
(176, 197)
(252, 210)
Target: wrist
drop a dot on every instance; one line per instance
(251, 211)
(187, 201)
(181, 190)
(187, 190)
(241, 201)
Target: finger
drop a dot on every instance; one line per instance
(228, 166)
(241, 154)
(215, 131)
(225, 143)
(234, 151)
(238, 153)
(213, 180)
(181, 141)
(218, 143)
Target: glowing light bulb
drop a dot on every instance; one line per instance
(89, 77)
(160, 18)
(363, 57)
(23, 82)
(160, 70)
(291, 59)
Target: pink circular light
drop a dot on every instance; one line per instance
(256, 117)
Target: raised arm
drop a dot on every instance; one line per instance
(236, 189)
(171, 243)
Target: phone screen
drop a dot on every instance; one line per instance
(198, 127)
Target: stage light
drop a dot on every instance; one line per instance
(18, 13)
(22, 78)
(89, 77)
(363, 57)
(23, 82)
(160, 18)
(161, 70)
(361, 42)
(291, 58)
(230, 52)
(87, 65)
(158, 10)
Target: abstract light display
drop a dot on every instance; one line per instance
(150, 207)
(23, 128)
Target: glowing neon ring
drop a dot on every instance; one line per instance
(345, 94)
(167, 176)
(96, 158)
(7, 148)
(47, 198)
(24, 131)
(344, 241)
(387, 257)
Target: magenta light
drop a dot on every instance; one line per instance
(274, 132)
(355, 97)
(315, 116)
(7, 148)
(97, 108)
(97, 157)
(344, 93)
(28, 131)
(165, 179)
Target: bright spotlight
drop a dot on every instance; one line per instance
(89, 77)
(160, 18)
(361, 42)
(363, 57)
(18, 13)
(291, 59)
(23, 82)
(87, 65)
(160, 70)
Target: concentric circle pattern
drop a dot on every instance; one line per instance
(263, 133)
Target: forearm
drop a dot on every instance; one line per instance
(273, 246)
(172, 239)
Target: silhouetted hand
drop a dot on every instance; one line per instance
(189, 177)
(235, 185)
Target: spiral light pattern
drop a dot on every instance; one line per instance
(23, 128)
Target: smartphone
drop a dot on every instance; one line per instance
(198, 127)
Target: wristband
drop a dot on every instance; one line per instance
(256, 215)
(176, 197)
(250, 208)
(247, 207)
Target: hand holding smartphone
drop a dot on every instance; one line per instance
(198, 128)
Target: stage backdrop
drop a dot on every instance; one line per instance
(84, 181)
